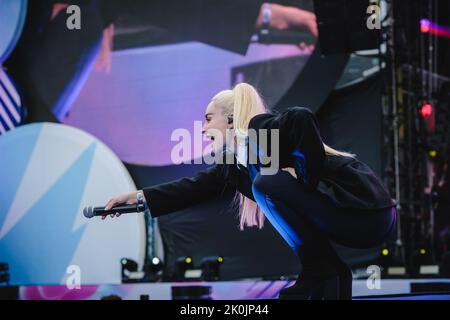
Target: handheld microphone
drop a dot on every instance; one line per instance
(271, 36)
(90, 212)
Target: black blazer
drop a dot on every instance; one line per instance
(348, 182)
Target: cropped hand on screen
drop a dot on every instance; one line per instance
(306, 48)
(284, 17)
(298, 18)
(127, 198)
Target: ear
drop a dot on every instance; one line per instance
(230, 121)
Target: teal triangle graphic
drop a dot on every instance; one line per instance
(16, 148)
(41, 245)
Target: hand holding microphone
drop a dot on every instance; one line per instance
(90, 212)
(119, 203)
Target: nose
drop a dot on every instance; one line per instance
(204, 128)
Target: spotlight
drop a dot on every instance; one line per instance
(385, 259)
(154, 266)
(4, 273)
(182, 264)
(423, 263)
(153, 269)
(4, 278)
(130, 270)
(129, 265)
(425, 25)
(426, 110)
(211, 268)
(4, 267)
(155, 260)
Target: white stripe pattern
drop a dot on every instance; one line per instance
(11, 108)
(5, 117)
(9, 87)
(10, 104)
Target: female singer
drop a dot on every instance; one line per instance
(320, 194)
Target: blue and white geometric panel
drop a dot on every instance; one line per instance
(12, 19)
(49, 173)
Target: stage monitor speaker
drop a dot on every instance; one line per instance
(346, 26)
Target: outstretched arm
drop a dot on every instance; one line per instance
(185, 192)
(178, 194)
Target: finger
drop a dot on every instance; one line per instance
(117, 215)
(112, 215)
(313, 29)
(108, 204)
(302, 45)
(104, 217)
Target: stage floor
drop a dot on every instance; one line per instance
(390, 289)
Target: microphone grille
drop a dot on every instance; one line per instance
(88, 212)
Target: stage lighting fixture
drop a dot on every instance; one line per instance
(129, 269)
(182, 264)
(153, 269)
(390, 266)
(385, 259)
(155, 265)
(211, 268)
(129, 265)
(4, 273)
(4, 267)
(423, 263)
(4, 278)
(425, 25)
(426, 110)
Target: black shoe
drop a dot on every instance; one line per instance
(316, 288)
(324, 275)
(345, 283)
(345, 287)
(330, 286)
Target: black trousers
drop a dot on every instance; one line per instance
(303, 217)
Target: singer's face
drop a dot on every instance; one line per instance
(215, 126)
